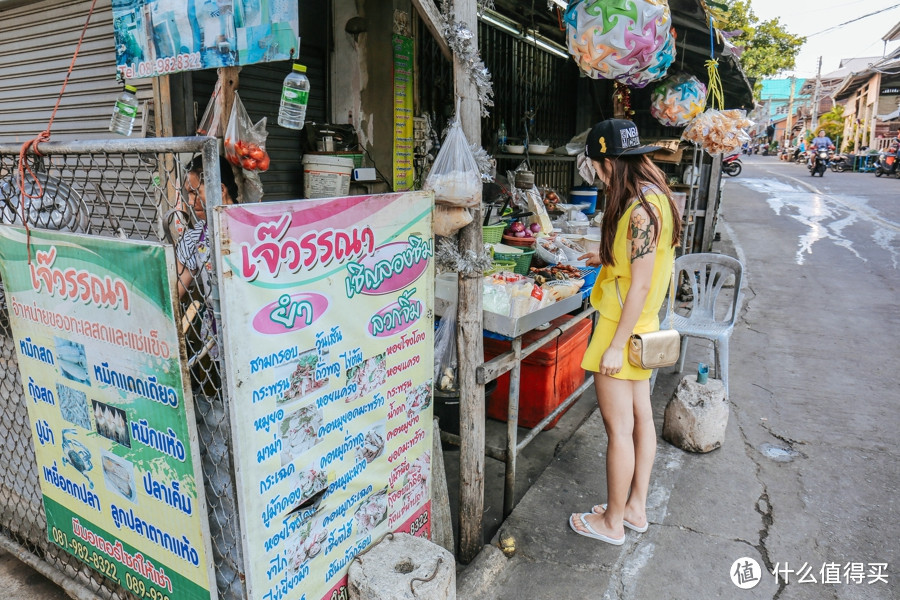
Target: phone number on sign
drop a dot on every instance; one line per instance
(108, 568)
(162, 66)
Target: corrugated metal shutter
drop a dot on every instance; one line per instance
(260, 91)
(36, 46)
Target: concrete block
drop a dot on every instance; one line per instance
(696, 416)
(403, 567)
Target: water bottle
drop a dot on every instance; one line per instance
(294, 98)
(501, 134)
(124, 112)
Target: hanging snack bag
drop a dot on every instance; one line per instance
(445, 362)
(454, 176)
(245, 143)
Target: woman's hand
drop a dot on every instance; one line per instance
(591, 259)
(611, 361)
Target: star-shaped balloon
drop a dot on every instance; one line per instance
(617, 39)
(677, 100)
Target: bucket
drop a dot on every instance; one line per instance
(326, 176)
(585, 195)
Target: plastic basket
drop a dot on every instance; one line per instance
(501, 265)
(522, 260)
(493, 233)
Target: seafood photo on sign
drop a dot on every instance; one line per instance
(371, 513)
(373, 444)
(301, 377)
(71, 359)
(73, 406)
(368, 376)
(118, 474)
(111, 423)
(306, 542)
(300, 432)
(418, 399)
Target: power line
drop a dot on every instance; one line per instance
(877, 12)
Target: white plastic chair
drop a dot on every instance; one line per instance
(707, 274)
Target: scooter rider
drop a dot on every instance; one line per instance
(820, 141)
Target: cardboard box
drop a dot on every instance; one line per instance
(671, 151)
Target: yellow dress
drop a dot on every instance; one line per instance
(603, 295)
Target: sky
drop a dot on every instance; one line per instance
(808, 17)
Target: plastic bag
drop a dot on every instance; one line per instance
(448, 219)
(245, 143)
(212, 116)
(454, 176)
(445, 362)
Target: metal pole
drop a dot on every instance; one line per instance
(815, 110)
(512, 425)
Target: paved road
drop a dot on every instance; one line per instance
(809, 475)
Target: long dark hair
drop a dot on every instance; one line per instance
(629, 174)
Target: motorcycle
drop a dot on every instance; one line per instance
(731, 165)
(886, 164)
(819, 162)
(840, 163)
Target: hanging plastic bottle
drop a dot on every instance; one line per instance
(501, 134)
(294, 98)
(124, 112)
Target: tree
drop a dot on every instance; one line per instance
(833, 124)
(768, 47)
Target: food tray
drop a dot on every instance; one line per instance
(445, 296)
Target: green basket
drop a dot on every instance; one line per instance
(493, 233)
(501, 265)
(523, 260)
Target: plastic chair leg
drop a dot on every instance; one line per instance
(684, 340)
(721, 346)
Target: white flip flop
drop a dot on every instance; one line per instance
(627, 524)
(591, 533)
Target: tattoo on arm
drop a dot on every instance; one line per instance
(642, 234)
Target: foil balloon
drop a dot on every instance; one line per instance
(655, 70)
(612, 39)
(677, 100)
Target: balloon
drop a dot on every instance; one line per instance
(656, 69)
(677, 100)
(613, 39)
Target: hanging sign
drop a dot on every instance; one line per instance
(404, 174)
(115, 441)
(328, 333)
(159, 37)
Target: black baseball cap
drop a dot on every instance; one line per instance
(615, 137)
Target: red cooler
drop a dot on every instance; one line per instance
(549, 375)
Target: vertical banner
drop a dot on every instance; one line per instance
(328, 328)
(94, 331)
(159, 37)
(404, 173)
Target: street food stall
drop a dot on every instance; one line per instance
(248, 433)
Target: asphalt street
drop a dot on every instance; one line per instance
(807, 480)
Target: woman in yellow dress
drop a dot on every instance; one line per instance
(640, 229)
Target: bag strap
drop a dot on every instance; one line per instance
(670, 308)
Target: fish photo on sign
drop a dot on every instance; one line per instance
(111, 423)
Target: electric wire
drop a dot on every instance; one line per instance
(871, 14)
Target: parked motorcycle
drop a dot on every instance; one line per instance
(886, 164)
(731, 165)
(840, 163)
(819, 162)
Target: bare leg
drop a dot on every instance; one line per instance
(616, 407)
(644, 439)
(644, 453)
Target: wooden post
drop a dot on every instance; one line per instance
(470, 345)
